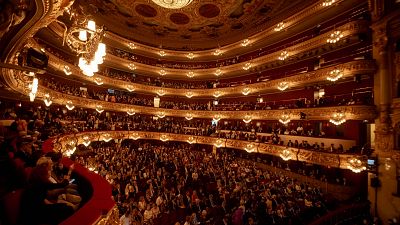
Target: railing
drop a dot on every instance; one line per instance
(100, 209)
(336, 160)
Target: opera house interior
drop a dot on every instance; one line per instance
(199, 112)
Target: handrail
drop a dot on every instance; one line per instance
(100, 206)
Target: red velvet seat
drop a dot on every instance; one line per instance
(11, 203)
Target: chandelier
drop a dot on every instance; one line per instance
(34, 88)
(279, 26)
(131, 45)
(86, 141)
(191, 140)
(246, 91)
(131, 112)
(70, 148)
(283, 56)
(47, 99)
(84, 38)
(247, 119)
(283, 86)
(218, 72)
(162, 53)
(217, 52)
(172, 4)
(161, 115)
(334, 37)
(285, 119)
(338, 118)
(285, 154)
(334, 75)
(356, 165)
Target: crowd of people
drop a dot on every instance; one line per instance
(158, 184)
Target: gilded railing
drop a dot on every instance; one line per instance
(348, 69)
(347, 30)
(65, 143)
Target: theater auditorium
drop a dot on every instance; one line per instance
(199, 112)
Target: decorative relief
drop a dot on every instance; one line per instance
(320, 158)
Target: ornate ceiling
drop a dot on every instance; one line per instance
(203, 24)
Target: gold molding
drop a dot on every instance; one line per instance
(320, 158)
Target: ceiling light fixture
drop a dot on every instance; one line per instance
(283, 56)
(279, 26)
(172, 4)
(338, 118)
(334, 75)
(161, 115)
(217, 52)
(189, 116)
(34, 88)
(250, 148)
(132, 45)
(162, 53)
(161, 92)
(217, 94)
(164, 138)
(335, 37)
(191, 140)
(283, 86)
(189, 94)
(130, 88)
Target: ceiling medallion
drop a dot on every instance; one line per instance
(172, 4)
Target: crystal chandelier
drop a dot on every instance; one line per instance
(47, 99)
(190, 74)
(135, 136)
(98, 81)
(334, 75)
(335, 37)
(161, 92)
(34, 88)
(84, 38)
(107, 137)
(338, 118)
(67, 70)
(189, 94)
(172, 4)
(161, 115)
(164, 138)
(86, 141)
(162, 72)
(189, 116)
(356, 165)
(69, 105)
(130, 88)
(285, 119)
(219, 143)
(249, 148)
(285, 154)
(99, 108)
(245, 42)
(217, 94)
(246, 91)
